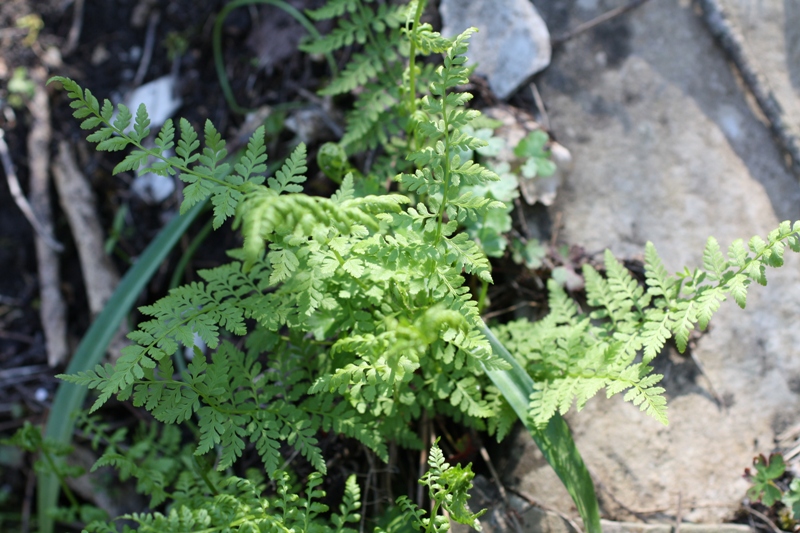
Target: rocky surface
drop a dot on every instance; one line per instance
(771, 36)
(512, 43)
(667, 148)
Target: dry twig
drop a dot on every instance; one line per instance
(147, 53)
(53, 309)
(74, 30)
(19, 197)
(588, 25)
(536, 503)
(764, 518)
(726, 34)
(78, 202)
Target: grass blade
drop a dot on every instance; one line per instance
(69, 398)
(555, 441)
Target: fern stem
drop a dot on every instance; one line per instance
(370, 34)
(341, 263)
(202, 473)
(412, 62)
(153, 153)
(180, 268)
(482, 296)
(61, 481)
(446, 177)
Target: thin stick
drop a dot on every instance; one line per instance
(22, 371)
(423, 457)
(537, 98)
(487, 316)
(53, 311)
(723, 30)
(19, 337)
(522, 221)
(487, 460)
(586, 26)
(763, 518)
(74, 30)
(147, 53)
(30, 484)
(536, 503)
(367, 488)
(78, 203)
(19, 197)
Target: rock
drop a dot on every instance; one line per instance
(771, 39)
(666, 149)
(159, 97)
(512, 44)
(153, 188)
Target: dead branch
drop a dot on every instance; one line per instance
(53, 308)
(729, 38)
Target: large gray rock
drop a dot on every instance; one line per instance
(512, 43)
(666, 149)
(770, 33)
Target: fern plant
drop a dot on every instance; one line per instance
(386, 79)
(357, 310)
(572, 354)
(448, 489)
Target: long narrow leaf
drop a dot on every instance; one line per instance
(69, 398)
(555, 441)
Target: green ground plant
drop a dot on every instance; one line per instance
(769, 488)
(355, 311)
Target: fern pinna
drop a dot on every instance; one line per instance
(356, 307)
(384, 76)
(571, 355)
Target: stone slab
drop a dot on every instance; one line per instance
(512, 42)
(666, 148)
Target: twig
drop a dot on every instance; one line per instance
(27, 503)
(14, 336)
(556, 228)
(586, 26)
(7, 300)
(537, 98)
(147, 53)
(16, 373)
(679, 514)
(536, 503)
(19, 197)
(53, 309)
(423, 456)
(77, 200)
(638, 514)
(75, 30)
(492, 471)
(514, 307)
(764, 518)
(367, 487)
(723, 30)
(503, 494)
(522, 221)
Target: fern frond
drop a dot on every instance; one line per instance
(291, 174)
